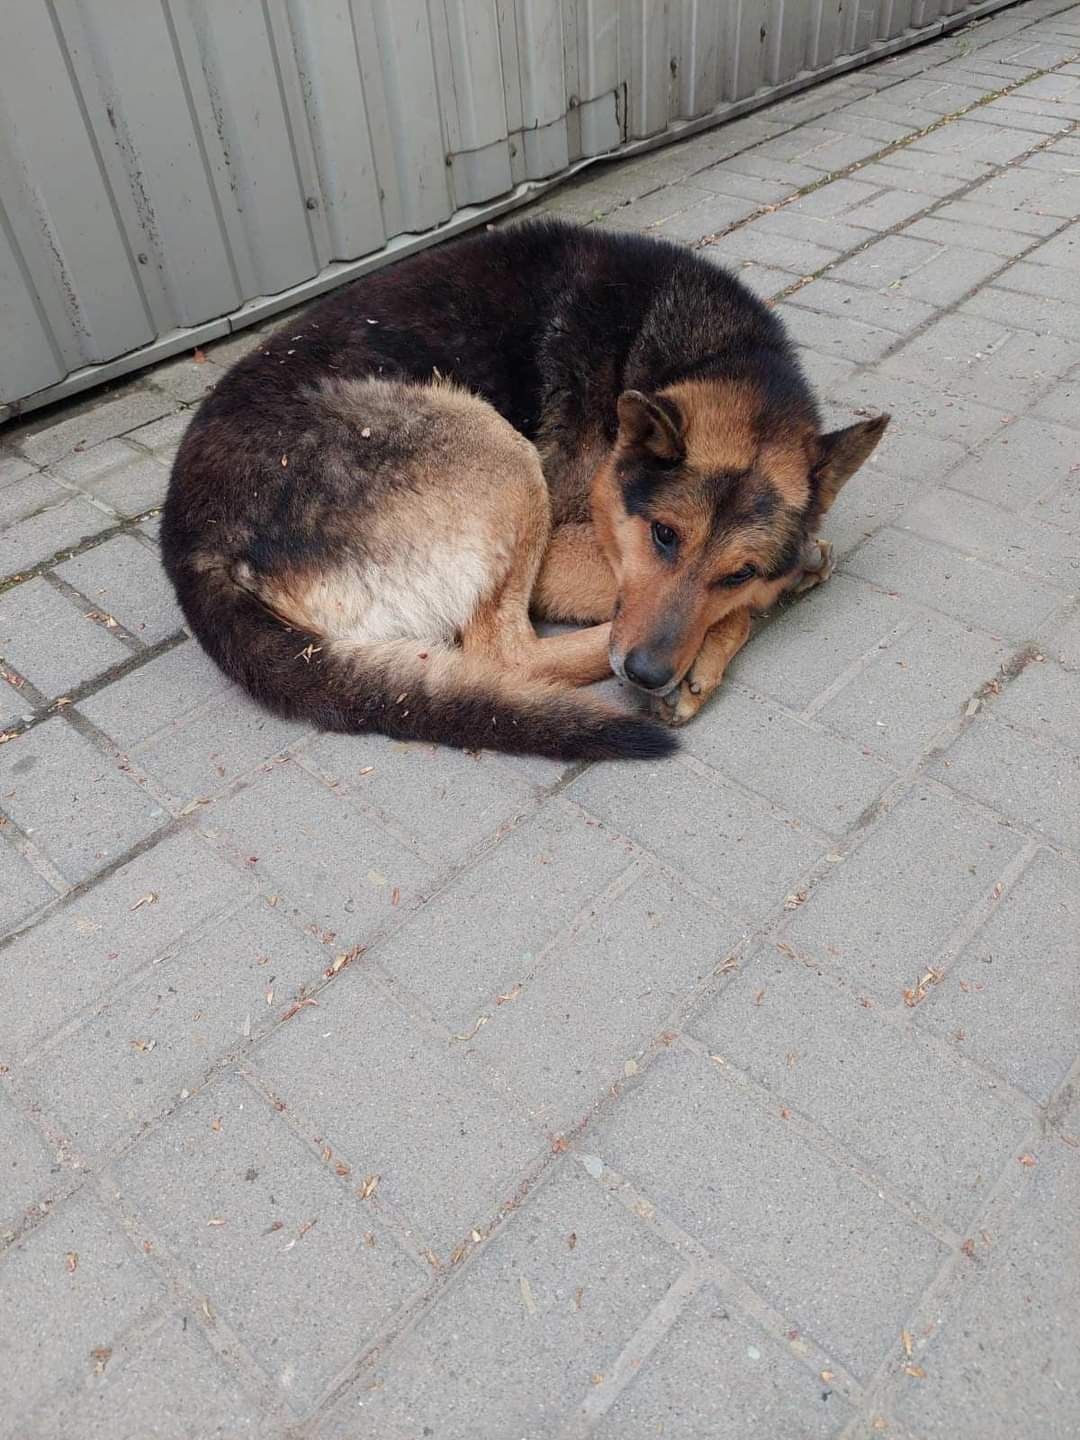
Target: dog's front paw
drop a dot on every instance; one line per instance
(816, 563)
(681, 704)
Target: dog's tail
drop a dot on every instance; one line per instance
(404, 689)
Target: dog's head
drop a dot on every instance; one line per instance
(703, 506)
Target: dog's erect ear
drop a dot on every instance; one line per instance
(650, 423)
(840, 454)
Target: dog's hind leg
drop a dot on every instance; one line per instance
(722, 643)
(501, 626)
(575, 581)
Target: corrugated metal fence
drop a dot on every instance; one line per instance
(166, 163)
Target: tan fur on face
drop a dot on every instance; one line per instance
(720, 434)
(647, 590)
(676, 604)
(719, 423)
(787, 465)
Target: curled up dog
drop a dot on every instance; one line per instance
(542, 421)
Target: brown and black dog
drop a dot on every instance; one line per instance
(358, 526)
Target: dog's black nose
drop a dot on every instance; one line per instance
(647, 670)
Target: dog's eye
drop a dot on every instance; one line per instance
(664, 537)
(740, 577)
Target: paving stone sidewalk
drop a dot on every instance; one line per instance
(353, 1089)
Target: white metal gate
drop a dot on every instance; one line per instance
(168, 166)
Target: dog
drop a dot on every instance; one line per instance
(546, 419)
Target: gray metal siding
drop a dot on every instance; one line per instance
(166, 166)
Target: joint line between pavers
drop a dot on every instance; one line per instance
(647, 1337)
(83, 887)
(74, 491)
(442, 1273)
(131, 981)
(397, 995)
(898, 1017)
(1031, 509)
(406, 1235)
(1027, 513)
(856, 667)
(846, 171)
(183, 1296)
(982, 911)
(927, 1314)
(407, 1000)
(386, 822)
(13, 835)
(762, 803)
(46, 709)
(656, 862)
(119, 631)
(818, 1138)
(925, 213)
(1025, 828)
(121, 759)
(272, 888)
(934, 203)
(737, 1290)
(80, 547)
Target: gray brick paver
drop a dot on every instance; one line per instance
(564, 1286)
(42, 534)
(125, 579)
(872, 498)
(1034, 782)
(803, 770)
(1012, 999)
(72, 800)
(226, 984)
(448, 801)
(543, 958)
(889, 909)
(22, 889)
(15, 702)
(27, 492)
(910, 1112)
(913, 687)
(821, 1222)
(1009, 1329)
(1021, 464)
(52, 641)
(123, 477)
(1064, 644)
(27, 1167)
(782, 664)
(554, 866)
(573, 1031)
(957, 584)
(997, 536)
(413, 1109)
(760, 1392)
(43, 440)
(888, 309)
(713, 833)
(76, 956)
(250, 1173)
(58, 1310)
(168, 1383)
(335, 867)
